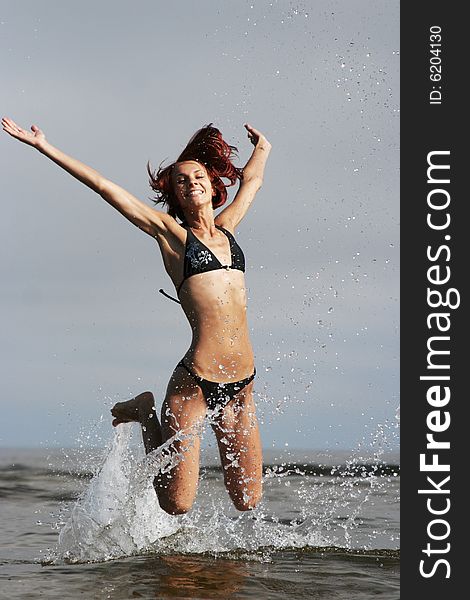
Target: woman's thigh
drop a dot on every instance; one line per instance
(183, 413)
(237, 432)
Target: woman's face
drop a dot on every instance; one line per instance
(192, 185)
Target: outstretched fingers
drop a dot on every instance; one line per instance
(10, 126)
(13, 129)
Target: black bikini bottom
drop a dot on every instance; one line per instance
(217, 394)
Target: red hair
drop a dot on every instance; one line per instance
(208, 148)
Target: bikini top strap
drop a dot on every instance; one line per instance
(227, 233)
(168, 296)
(231, 240)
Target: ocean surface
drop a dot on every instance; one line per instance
(85, 523)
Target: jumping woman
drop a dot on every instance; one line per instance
(206, 266)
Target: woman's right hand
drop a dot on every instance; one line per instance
(35, 139)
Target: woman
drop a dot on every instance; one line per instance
(206, 266)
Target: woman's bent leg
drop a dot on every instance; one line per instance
(238, 438)
(183, 412)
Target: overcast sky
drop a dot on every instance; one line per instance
(117, 84)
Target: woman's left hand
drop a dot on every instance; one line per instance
(257, 138)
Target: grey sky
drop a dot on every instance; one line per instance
(116, 84)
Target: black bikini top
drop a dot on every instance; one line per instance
(198, 258)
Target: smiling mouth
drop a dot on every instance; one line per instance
(194, 193)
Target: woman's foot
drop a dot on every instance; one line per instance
(136, 409)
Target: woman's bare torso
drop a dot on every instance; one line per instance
(215, 306)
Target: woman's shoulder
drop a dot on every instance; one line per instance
(171, 229)
(224, 224)
(171, 224)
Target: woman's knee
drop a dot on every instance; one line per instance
(247, 499)
(170, 500)
(175, 506)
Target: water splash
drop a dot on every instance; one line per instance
(118, 514)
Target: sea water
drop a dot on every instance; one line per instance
(82, 523)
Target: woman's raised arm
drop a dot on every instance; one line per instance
(253, 173)
(146, 218)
